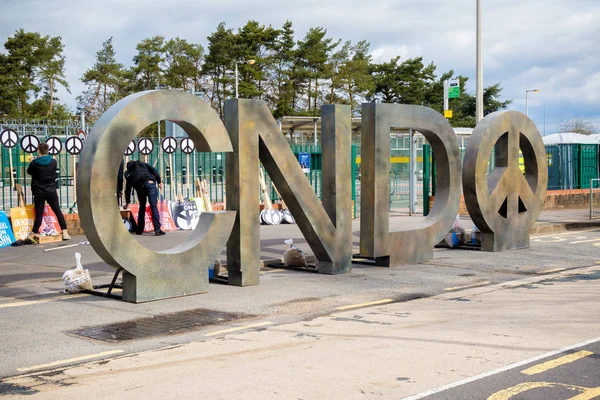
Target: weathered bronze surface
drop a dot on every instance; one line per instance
(149, 275)
(414, 243)
(505, 204)
(328, 227)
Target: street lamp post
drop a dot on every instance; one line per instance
(526, 105)
(249, 62)
(479, 67)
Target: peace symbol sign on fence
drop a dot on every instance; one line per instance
(187, 145)
(74, 145)
(130, 148)
(169, 145)
(145, 146)
(54, 145)
(9, 138)
(507, 200)
(30, 143)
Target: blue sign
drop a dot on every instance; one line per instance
(304, 160)
(6, 234)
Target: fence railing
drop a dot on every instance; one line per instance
(594, 198)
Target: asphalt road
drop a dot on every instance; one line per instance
(564, 374)
(531, 338)
(38, 322)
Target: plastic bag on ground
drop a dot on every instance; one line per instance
(78, 279)
(294, 257)
(457, 234)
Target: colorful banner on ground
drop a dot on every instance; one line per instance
(166, 220)
(23, 218)
(6, 234)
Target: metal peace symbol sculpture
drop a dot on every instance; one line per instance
(74, 145)
(169, 145)
(149, 275)
(187, 146)
(505, 204)
(54, 145)
(30, 143)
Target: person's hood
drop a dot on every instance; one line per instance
(43, 160)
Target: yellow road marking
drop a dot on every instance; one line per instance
(506, 394)
(239, 328)
(585, 241)
(549, 271)
(543, 367)
(32, 302)
(71, 360)
(372, 303)
(467, 286)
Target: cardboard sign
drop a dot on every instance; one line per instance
(166, 221)
(24, 217)
(185, 214)
(6, 233)
(49, 221)
(22, 221)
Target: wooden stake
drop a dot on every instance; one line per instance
(12, 179)
(173, 191)
(263, 188)
(74, 178)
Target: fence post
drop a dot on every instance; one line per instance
(426, 177)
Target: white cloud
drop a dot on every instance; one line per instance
(549, 45)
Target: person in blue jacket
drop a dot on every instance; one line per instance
(43, 188)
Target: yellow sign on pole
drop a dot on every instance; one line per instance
(447, 113)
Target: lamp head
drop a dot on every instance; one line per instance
(251, 62)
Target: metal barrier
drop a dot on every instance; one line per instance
(594, 192)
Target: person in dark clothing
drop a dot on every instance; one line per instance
(43, 188)
(143, 178)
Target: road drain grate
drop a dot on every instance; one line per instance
(160, 325)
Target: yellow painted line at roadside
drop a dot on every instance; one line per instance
(549, 271)
(585, 241)
(71, 360)
(543, 367)
(372, 303)
(32, 302)
(238, 328)
(467, 286)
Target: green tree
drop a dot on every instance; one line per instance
(406, 82)
(30, 71)
(283, 91)
(102, 81)
(182, 60)
(312, 56)
(51, 67)
(355, 75)
(148, 63)
(337, 61)
(217, 64)
(255, 42)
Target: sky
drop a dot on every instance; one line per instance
(550, 45)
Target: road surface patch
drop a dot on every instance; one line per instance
(372, 303)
